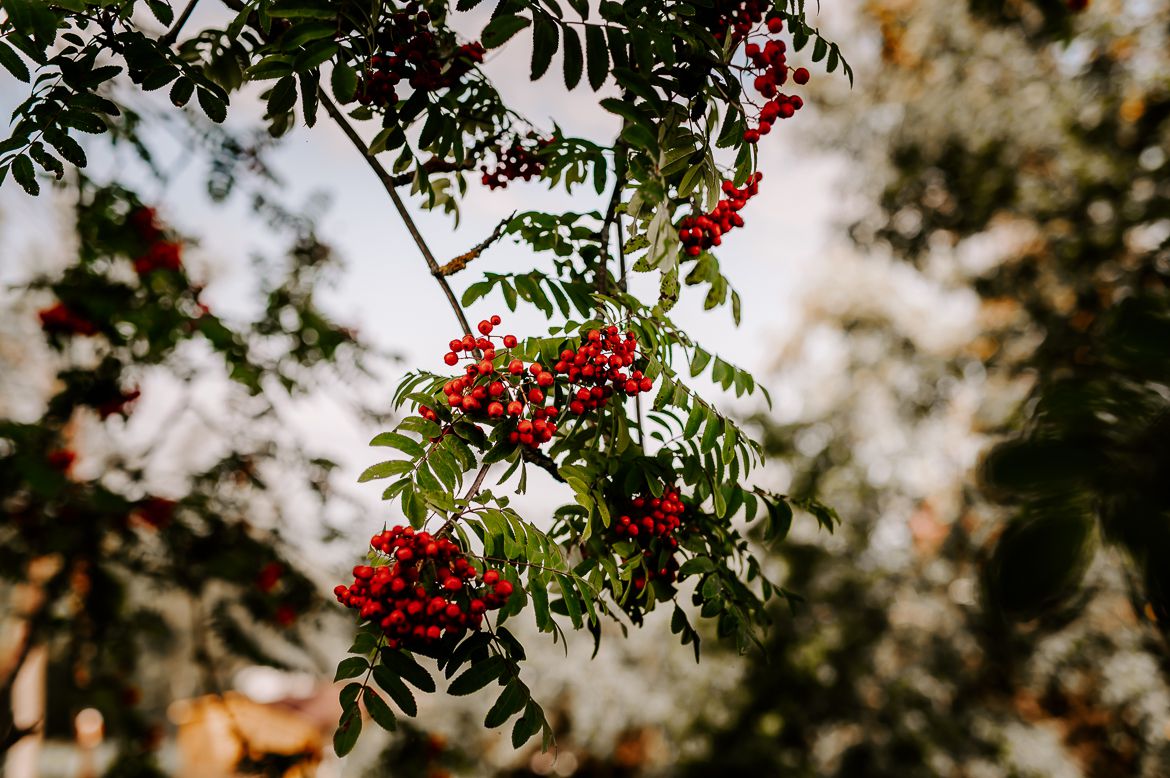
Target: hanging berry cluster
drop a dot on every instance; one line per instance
(414, 52)
(770, 66)
(597, 369)
(652, 524)
(515, 391)
(426, 590)
(517, 161)
(586, 377)
(742, 17)
(699, 233)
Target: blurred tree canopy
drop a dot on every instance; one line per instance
(116, 547)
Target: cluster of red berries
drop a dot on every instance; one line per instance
(59, 319)
(653, 524)
(415, 53)
(603, 365)
(699, 233)
(597, 370)
(427, 590)
(518, 161)
(741, 15)
(160, 254)
(771, 68)
(489, 392)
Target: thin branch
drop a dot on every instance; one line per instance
(460, 262)
(387, 181)
(172, 34)
(433, 165)
(471, 492)
(543, 461)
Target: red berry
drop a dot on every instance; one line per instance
(800, 75)
(451, 358)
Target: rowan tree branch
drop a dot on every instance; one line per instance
(460, 262)
(543, 461)
(172, 34)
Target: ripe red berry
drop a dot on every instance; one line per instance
(800, 75)
(775, 25)
(451, 358)
(510, 341)
(485, 327)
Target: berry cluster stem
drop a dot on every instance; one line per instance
(471, 492)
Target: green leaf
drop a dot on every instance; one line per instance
(304, 32)
(315, 55)
(696, 566)
(626, 110)
(478, 676)
(351, 667)
(574, 60)
(511, 701)
(348, 730)
(379, 711)
(344, 81)
(309, 85)
(162, 11)
(283, 96)
(820, 48)
(500, 29)
(527, 725)
(67, 147)
(397, 690)
(406, 668)
(84, 120)
(385, 470)
(712, 432)
(298, 9)
(349, 695)
(22, 171)
(545, 42)
(13, 63)
(408, 446)
(181, 91)
(572, 606)
(212, 105)
(272, 66)
(597, 56)
(363, 643)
